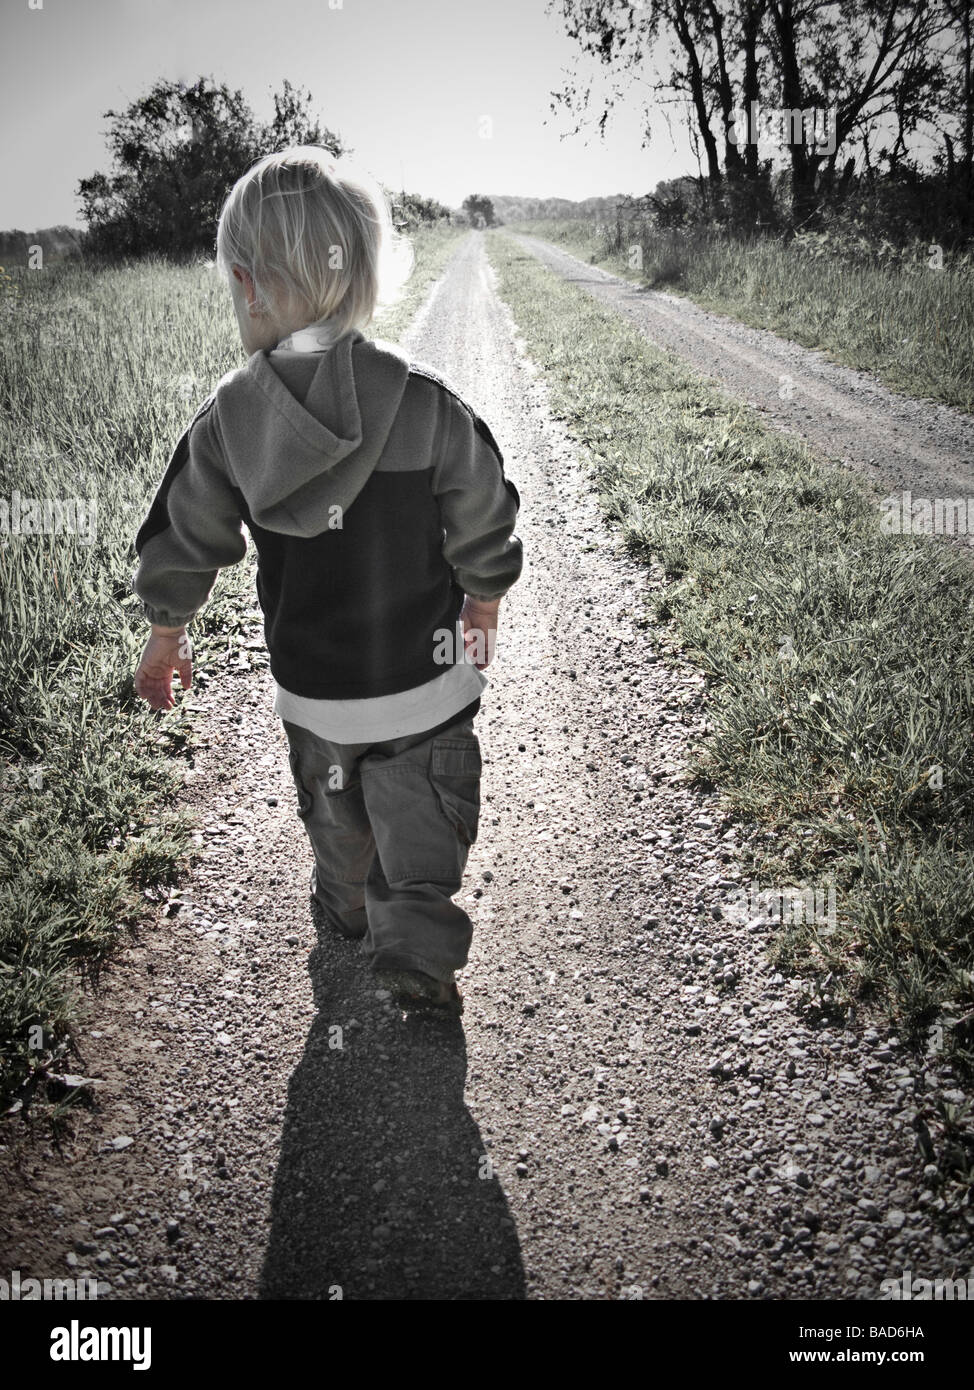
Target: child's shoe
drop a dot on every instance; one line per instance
(412, 989)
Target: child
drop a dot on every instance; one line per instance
(383, 522)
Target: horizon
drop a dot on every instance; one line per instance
(448, 68)
(492, 197)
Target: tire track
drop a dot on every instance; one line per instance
(847, 415)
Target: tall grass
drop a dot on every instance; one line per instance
(100, 371)
(888, 311)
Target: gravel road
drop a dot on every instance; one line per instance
(633, 1105)
(848, 416)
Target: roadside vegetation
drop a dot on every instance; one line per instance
(904, 313)
(846, 221)
(839, 659)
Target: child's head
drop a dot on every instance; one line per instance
(304, 238)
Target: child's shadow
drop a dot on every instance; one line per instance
(384, 1188)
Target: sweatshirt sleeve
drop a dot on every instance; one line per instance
(193, 529)
(478, 506)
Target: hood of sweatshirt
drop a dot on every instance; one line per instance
(302, 431)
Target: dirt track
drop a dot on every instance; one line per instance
(632, 1105)
(847, 416)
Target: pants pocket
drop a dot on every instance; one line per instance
(455, 768)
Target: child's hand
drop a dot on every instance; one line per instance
(167, 650)
(479, 618)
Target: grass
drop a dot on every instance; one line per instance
(99, 373)
(868, 307)
(840, 661)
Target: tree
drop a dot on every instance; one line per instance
(855, 66)
(411, 210)
(869, 62)
(176, 153)
(479, 211)
(292, 125)
(959, 105)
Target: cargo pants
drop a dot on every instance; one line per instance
(391, 824)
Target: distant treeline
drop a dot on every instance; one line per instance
(898, 207)
(413, 210)
(409, 210)
(517, 209)
(902, 207)
(55, 242)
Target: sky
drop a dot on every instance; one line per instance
(407, 84)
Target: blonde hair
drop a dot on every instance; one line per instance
(317, 237)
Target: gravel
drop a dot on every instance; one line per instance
(895, 441)
(634, 1104)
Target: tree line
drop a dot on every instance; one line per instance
(874, 100)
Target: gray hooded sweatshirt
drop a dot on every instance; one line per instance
(375, 496)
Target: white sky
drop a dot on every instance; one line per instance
(406, 84)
